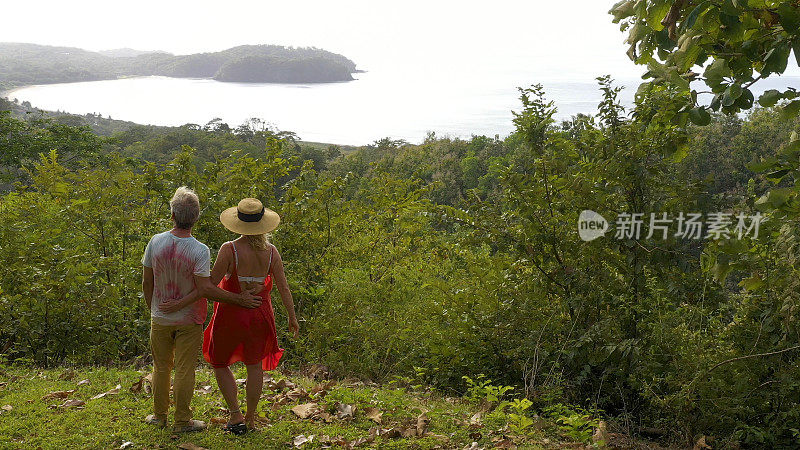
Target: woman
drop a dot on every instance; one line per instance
(234, 334)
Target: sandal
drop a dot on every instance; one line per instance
(236, 428)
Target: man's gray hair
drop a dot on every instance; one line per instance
(185, 207)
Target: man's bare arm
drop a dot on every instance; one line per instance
(286, 294)
(148, 282)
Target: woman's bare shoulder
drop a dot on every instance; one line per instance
(226, 249)
(273, 251)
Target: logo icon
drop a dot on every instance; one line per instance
(591, 225)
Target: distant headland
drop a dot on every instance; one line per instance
(27, 64)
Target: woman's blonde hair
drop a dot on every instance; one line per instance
(258, 241)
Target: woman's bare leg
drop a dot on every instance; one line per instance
(255, 385)
(227, 385)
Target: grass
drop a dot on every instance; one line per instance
(27, 420)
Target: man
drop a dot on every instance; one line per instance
(171, 261)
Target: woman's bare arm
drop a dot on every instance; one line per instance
(286, 295)
(222, 265)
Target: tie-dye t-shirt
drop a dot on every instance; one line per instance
(175, 260)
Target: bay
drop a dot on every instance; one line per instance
(404, 105)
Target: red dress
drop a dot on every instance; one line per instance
(242, 334)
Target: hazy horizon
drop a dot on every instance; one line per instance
(572, 39)
(446, 67)
(539, 38)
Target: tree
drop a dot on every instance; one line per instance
(23, 141)
(739, 41)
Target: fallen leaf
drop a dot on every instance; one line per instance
(344, 411)
(299, 441)
(74, 403)
(219, 420)
(83, 382)
(473, 446)
(358, 442)
(262, 422)
(476, 418)
(439, 437)
(137, 387)
(352, 382)
(306, 410)
(190, 446)
(148, 383)
(321, 390)
(701, 444)
(601, 433)
(325, 416)
(374, 414)
(408, 432)
(318, 371)
(390, 433)
(67, 375)
(58, 394)
(297, 394)
(126, 444)
(280, 385)
(328, 442)
(422, 424)
(205, 390)
(373, 432)
(475, 436)
(504, 442)
(241, 381)
(6, 408)
(277, 400)
(114, 391)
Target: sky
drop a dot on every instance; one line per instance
(462, 59)
(562, 40)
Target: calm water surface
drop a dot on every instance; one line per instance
(376, 105)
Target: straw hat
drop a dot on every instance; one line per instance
(249, 218)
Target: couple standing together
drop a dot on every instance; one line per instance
(177, 278)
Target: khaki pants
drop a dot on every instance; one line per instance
(177, 345)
